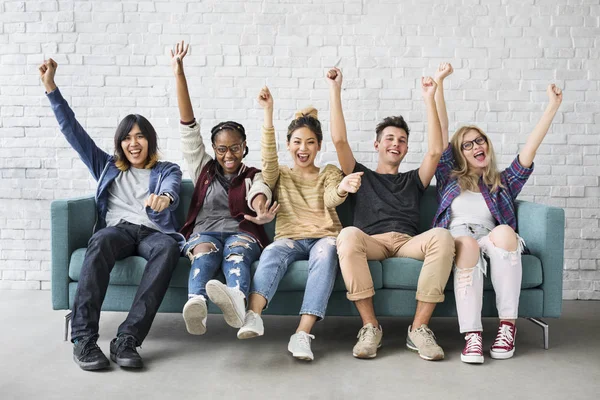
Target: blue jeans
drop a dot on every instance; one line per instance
(322, 270)
(233, 253)
(107, 246)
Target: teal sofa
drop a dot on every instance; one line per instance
(395, 279)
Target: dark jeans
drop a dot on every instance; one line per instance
(115, 243)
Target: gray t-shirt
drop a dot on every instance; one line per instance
(214, 216)
(126, 197)
(387, 202)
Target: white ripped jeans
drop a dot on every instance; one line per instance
(506, 274)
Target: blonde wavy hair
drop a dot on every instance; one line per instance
(468, 179)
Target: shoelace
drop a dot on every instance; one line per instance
(427, 334)
(128, 342)
(304, 339)
(474, 343)
(90, 346)
(366, 333)
(504, 338)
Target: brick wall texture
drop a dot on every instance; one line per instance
(113, 60)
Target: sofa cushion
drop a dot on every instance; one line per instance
(403, 273)
(129, 272)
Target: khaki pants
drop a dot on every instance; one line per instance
(435, 247)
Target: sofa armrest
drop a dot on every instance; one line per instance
(543, 228)
(71, 225)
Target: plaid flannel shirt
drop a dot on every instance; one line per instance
(501, 203)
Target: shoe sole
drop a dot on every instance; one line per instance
(127, 363)
(505, 355)
(218, 295)
(471, 359)
(193, 315)
(300, 355)
(248, 334)
(91, 366)
(366, 356)
(414, 348)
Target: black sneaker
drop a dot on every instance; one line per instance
(123, 352)
(88, 355)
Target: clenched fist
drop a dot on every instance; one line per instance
(47, 71)
(265, 99)
(157, 203)
(428, 87)
(554, 95)
(443, 71)
(334, 78)
(350, 183)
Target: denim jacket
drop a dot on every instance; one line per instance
(164, 176)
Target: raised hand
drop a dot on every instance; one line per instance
(334, 78)
(157, 203)
(265, 99)
(428, 87)
(177, 57)
(264, 214)
(350, 183)
(47, 71)
(554, 95)
(443, 71)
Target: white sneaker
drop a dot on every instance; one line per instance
(194, 315)
(229, 300)
(299, 346)
(253, 326)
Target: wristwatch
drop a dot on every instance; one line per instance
(167, 194)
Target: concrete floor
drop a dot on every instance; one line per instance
(36, 363)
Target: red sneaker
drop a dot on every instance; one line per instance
(473, 351)
(504, 345)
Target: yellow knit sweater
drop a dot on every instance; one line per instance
(307, 207)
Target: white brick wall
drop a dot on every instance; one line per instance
(113, 61)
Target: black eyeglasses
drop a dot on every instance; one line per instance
(234, 148)
(480, 140)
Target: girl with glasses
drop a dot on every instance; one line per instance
(477, 204)
(307, 224)
(224, 226)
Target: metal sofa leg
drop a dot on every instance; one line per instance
(67, 320)
(544, 326)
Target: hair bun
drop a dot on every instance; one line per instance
(309, 111)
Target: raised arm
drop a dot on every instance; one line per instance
(338, 124)
(270, 161)
(535, 138)
(186, 113)
(442, 72)
(434, 133)
(192, 145)
(92, 156)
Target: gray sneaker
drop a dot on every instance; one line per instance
(422, 340)
(369, 340)
(299, 346)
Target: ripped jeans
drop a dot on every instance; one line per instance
(506, 273)
(322, 270)
(233, 253)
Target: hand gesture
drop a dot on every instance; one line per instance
(351, 183)
(554, 95)
(443, 71)
(264, 214)
(177, 57)
(157, 203)
(47, 70)
(265, 99)
(428, 87)
(334, 78)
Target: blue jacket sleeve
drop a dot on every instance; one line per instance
(171, 182)
(91, 155)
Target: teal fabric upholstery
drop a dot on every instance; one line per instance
(395, 279)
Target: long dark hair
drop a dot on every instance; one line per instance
(125, 126)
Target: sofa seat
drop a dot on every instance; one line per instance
(128, 272)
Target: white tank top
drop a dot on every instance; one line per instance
(471, 208)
